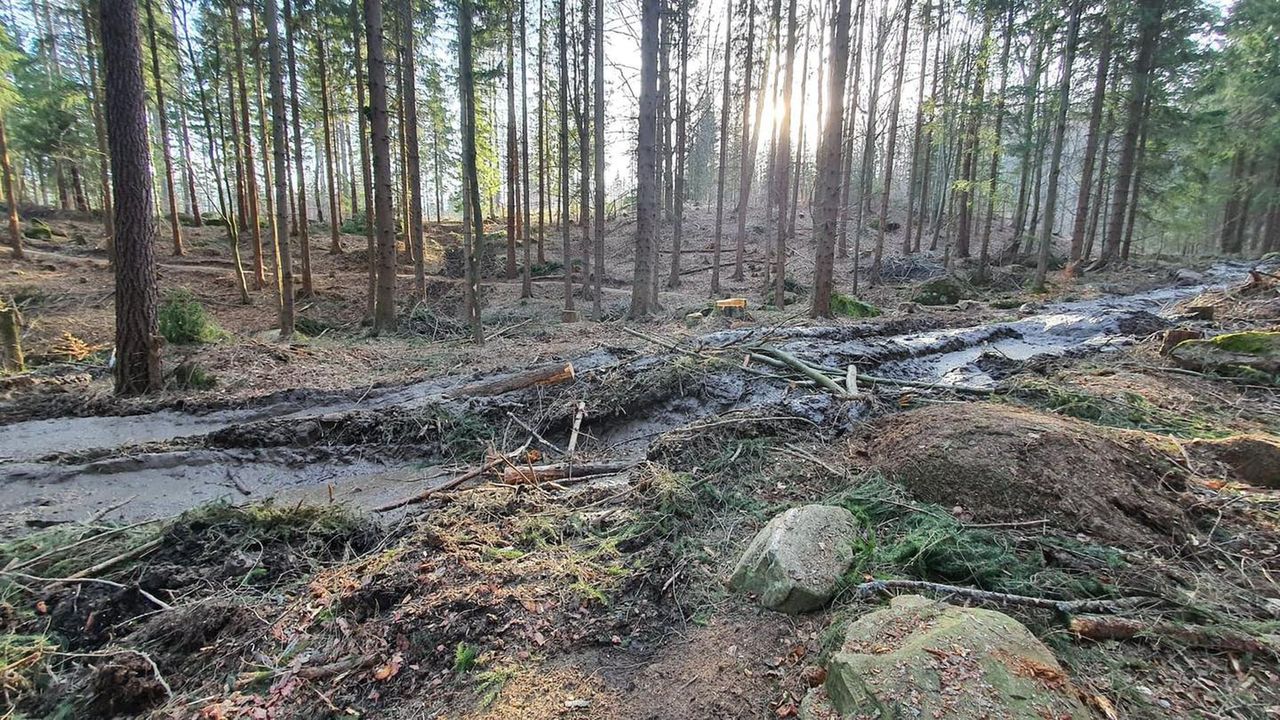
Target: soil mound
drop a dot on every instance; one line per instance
(1002, 464)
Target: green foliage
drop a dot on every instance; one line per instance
(852, 307)
(1126, 410)
(924, 541)
(183, 321)
(190, 375)
(464, 658)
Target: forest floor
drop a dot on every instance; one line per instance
(225, 549)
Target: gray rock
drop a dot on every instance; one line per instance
(795, 563)
(920, 658)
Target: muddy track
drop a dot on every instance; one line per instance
(370, 446)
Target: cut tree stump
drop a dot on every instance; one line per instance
(545, 375)
(11, 359)
(732, 307)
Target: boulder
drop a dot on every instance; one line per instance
(795, 563)
(939, 291)
(1249, 353)
(921, 658)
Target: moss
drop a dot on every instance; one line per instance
(183, 320)
(1126, 410)
(1248, 343)
(939, 291)
(852, 307)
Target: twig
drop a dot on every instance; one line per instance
(130, 554)
(50, 553)
(97, 581)
(108, 510)
(550, 445)
(807, 371)
(1066, 607)
(468, 475)
(577, 426)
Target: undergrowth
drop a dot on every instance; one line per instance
(924, 542)
(183, 320)
(1126, 410)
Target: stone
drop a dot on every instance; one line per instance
(921, 658)
(794, 564)
(1188, 277)
(908, 307)
(939, 291)
(968, 305)
(1174, 337)
(1249, 353)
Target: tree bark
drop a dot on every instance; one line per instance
(1059, 136)
(984, 250)
(99, 126)
(891, 144)
(275, 70)
(137, 353)
(782, 161)
(158, 82)
(682, 124)
(384, 315)
(598, 127)
(10, 193)
(748, 152)
(472, 220)
(830, 166)
(1092, 140)
(1149, 12)
(248, 173)
(916, 133)
(723, 136)
(646, 161)
(562, 44)
(299, 169)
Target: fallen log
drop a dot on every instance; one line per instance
(545, 375)
(526, 474)
(990, 597)
(1220, 639)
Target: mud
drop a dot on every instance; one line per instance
(368, 448)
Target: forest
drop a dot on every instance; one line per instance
(505, 359)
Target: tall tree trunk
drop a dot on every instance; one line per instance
(264, 142)
(384, 315)
(248, 173)
(891, 144)
(174, 223)
(299, 168)
(542, 134)
(366, 162)
(993, 171)
(562, 44)
(99, 126)
(137, 367)
(962, 194)
(748, 152)
(916, 133)
(598, 127)
(1028, 141)
(326, 126)
(582, 91)
(189, 172)
(1149, 19)
(723, 137)
(10, 193)
(526, 275)
(473, 223)
(413, 158)
(646, 160)
(281, 175)
(513, 172)
(830, 166)
(1059, 136)
(782, 160)
(1092, 138)
(682, 129)
(1139, 165)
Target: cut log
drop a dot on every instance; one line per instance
(11, 359)
(1203, 637)
(546, 375)
(526, 474)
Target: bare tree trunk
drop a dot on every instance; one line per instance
(1059, 136)
(542, 135)
(248, 173)
(891, 144)
(963, 192)
(1149, 15)
(526, 277)
(513, 171)
(723, 137)
(281, 174)
(1091, 142)
(562, 43)
(264, 142)
(598, 127)
(413, 159)
(384, 315)
(682, 123)
(326, 126)
(137, 368)
(99, 127)
(10, 193)
(916, 133)
(158, 82)
(1139, 165)
(299, 170)
(782, 161)
(646, 160)
(867, 173)
(830, 166)
(748, 152)
(993, 171)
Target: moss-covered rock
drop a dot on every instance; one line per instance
(939, 291)
(1254, 354)
(795, 563)
(920, 658)
(852, 307)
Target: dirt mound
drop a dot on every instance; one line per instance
(1250, 459)
(1002, 464)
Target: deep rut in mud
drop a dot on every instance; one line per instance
(372, 446)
